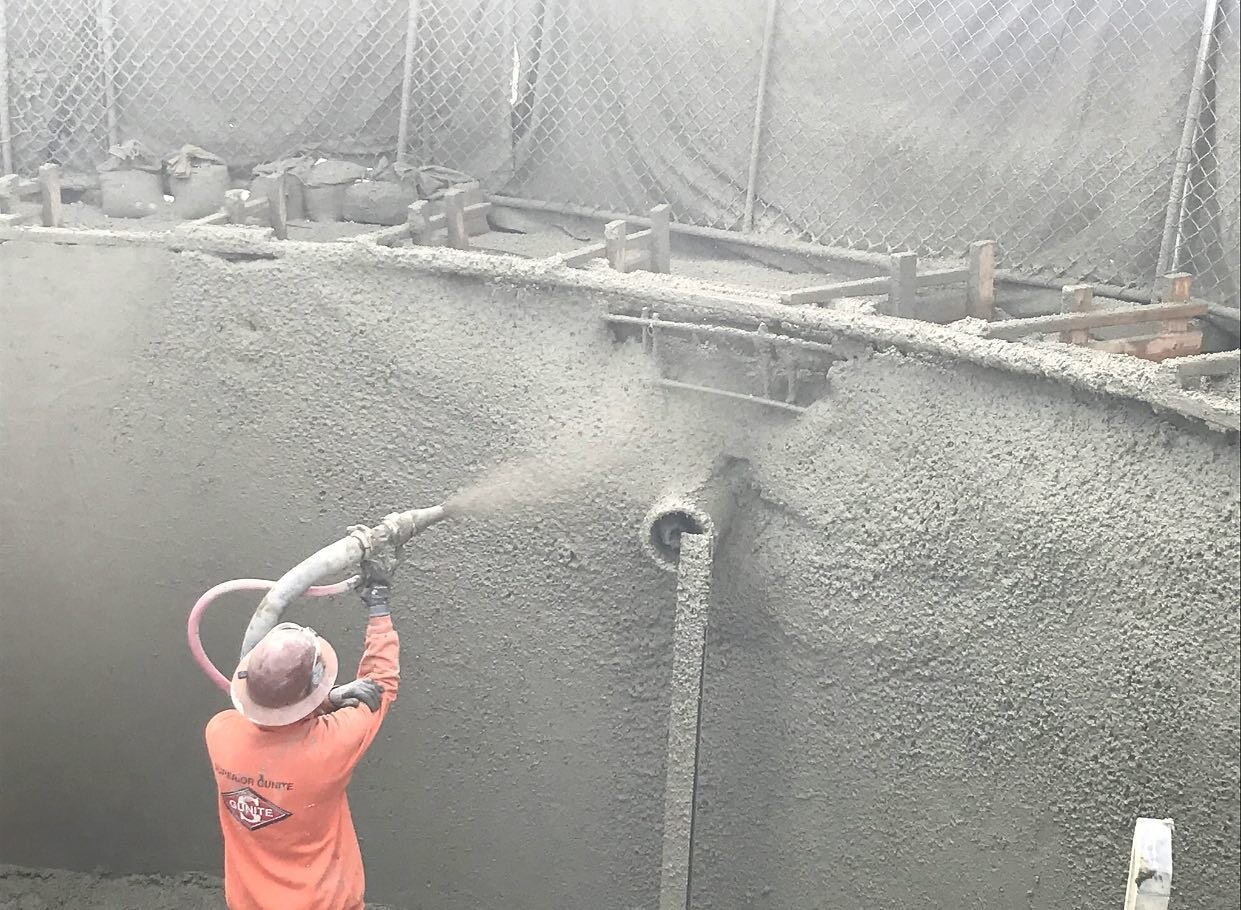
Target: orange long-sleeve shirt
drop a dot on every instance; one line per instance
(289, 842)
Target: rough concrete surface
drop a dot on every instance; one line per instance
(54, 889)
(975, 624)
(994, 624)
(1114, 375)
(681, 761)
(46, 889)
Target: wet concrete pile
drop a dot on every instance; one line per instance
(970, 625)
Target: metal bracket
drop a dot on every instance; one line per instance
(765, 343)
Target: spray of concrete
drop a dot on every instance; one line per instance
(621, 438)
(567, 465)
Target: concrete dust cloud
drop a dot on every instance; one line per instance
(532, 479)
(622, 438)
(610, 439)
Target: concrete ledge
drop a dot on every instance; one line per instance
(1106, 374)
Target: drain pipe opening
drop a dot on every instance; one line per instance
(667, 522)
(704, 505)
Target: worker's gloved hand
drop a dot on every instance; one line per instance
(359, 692)
(376, 599)
(377, 585)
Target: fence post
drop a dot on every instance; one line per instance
(760, 104)
(6, 128)
(107, 50)
(407, 79)
(1174, 214)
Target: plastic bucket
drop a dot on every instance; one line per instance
(294, 201)
(130, 193)
(378, 202)
(201, 193)
(325, 203)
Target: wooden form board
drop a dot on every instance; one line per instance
(239, 208)
(903, 283)
(1155, 346)
(1012, 329)
(8, 201)
(51, 207)
(649, 249)
(1190, 369)
(8, 193)
(1078, 316)
(459, 218)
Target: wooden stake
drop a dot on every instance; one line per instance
(278, 207)
(1076, 298)
(980, 286)
(614, 241)
(661, 239)
(1178, 286)
(8, 200)
(235, 206)
(476, 209)
(416, 223)
(903, 286)
(8, 194)
(49, 188)
(454, 217)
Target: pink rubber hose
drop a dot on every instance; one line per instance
(239, 584)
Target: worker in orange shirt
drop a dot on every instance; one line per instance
(284, 756)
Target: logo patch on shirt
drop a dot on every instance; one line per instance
(251, 810)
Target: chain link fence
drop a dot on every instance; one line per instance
(1094, 141)
(1204, 235)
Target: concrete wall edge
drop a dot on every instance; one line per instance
(1111, 375)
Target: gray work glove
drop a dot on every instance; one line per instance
(376, 586)
(359, 692)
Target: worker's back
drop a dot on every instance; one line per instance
(289, 841)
